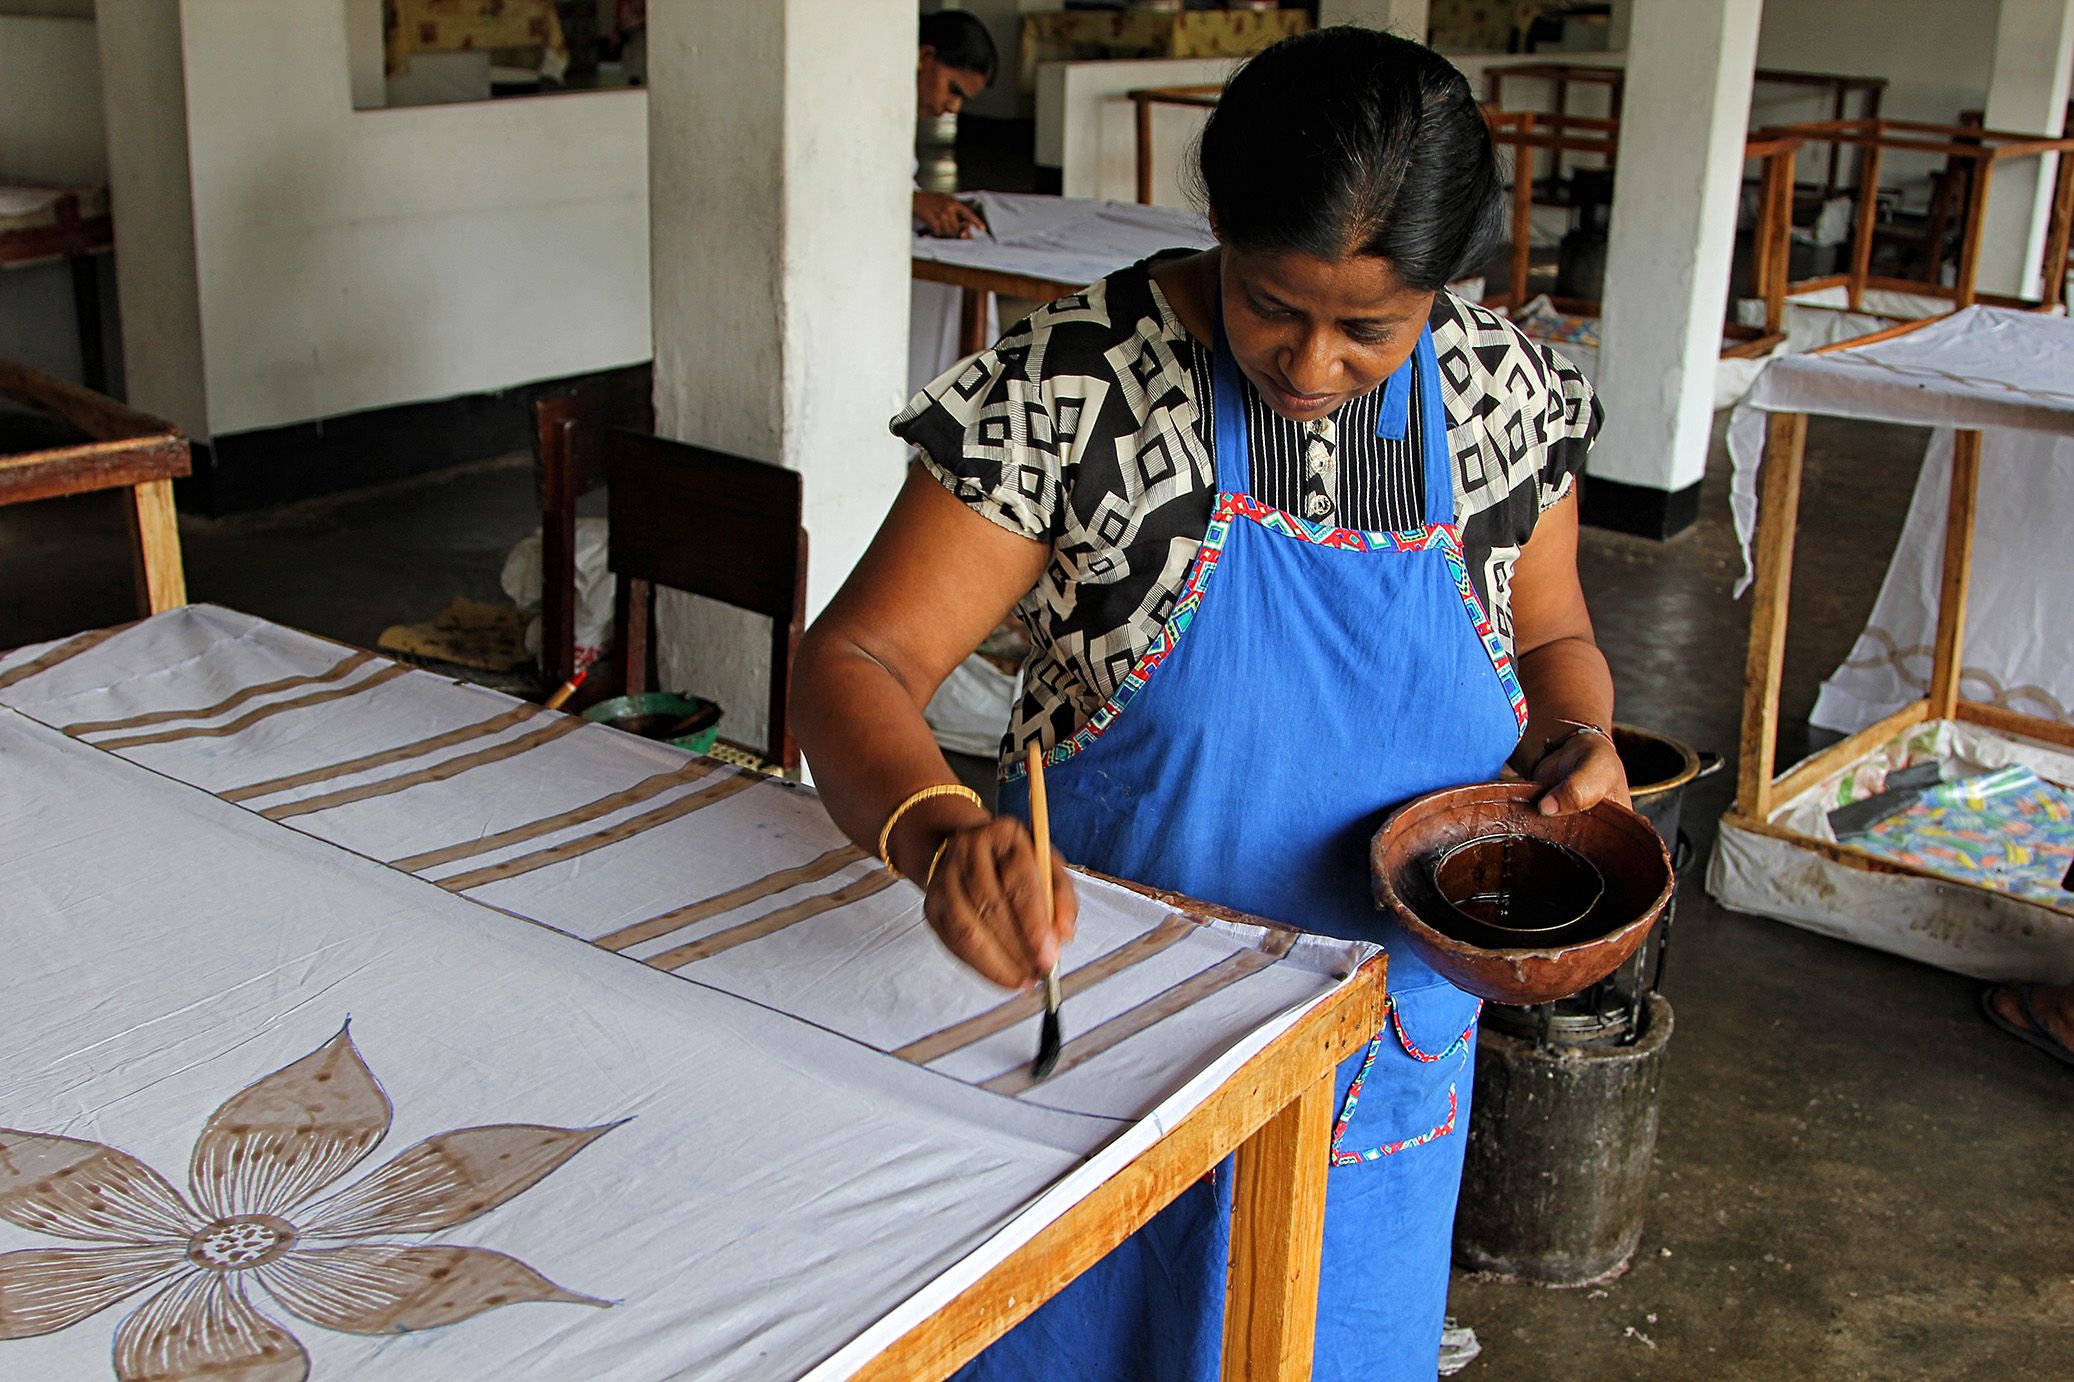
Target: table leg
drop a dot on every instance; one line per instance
(1778, 514)
(155, 543)
(86, 308)
(1278, 1219)
(1950, 649)
(972, 321)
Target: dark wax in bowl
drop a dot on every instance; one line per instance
(1510, 888)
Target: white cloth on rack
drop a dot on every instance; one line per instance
(2016, 652)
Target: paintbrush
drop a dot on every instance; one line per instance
(568, 688)
(1048, 1040)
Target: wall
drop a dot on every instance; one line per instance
(1088, 130)
(348, 259)
(1935, 55)
(50, 133)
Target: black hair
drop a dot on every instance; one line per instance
(1353, 141)
(960, 41)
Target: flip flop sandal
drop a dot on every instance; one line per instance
(2035, 1034)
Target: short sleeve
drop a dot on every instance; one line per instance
(985, 431)
(1572, 417)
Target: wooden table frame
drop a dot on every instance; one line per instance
(129, 451)
(1562, 74)
(978, 284)
(1758, 792)
(1984, 150)
(1524, 132)
(1276, 1112)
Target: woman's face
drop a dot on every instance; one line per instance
(942, 89)
(1313, 333)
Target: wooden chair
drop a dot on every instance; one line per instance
(125, 450)
(711, 524)
(566, 469)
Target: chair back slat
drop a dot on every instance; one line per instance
(706, 522)
(714, 525)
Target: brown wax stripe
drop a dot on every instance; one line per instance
(611, 835)
(452, 767)
(1025, 1006)
(1127, 1024)
(253, 717)
(770, 922)
(64, 652)
(641, 791)
(159, 717)
(417, 748)
(770, 885)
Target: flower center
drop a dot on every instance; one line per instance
(246, 1240)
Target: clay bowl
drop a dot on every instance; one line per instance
(1590, 936)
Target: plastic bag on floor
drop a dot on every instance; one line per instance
(594, 589)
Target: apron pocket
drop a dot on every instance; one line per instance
(1405, 1093)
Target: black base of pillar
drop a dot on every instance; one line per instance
(1638, 509)
(277, 465)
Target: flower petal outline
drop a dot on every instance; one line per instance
(289, 1135)
(395, 1288)
(202, 1326)
(69, 1187)
(448, 1179)
(43, 1290)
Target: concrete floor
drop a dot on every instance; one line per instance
(1856, 1178)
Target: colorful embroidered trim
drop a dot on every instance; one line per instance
(1342, 1157)
(1199, 572)
(1397, 1022)
(1375, 1046)
(1439, 537)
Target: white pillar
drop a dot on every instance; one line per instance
(144, 100)
(779, 137)
(2027, 93)
(1407, 17)
(1672, 238)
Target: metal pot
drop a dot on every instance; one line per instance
(1659, 769)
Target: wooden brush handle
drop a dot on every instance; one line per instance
(1040, 827)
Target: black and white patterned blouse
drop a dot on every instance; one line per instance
(1088, 428)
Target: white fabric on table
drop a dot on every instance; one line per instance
(1069, 240)
(220, 838)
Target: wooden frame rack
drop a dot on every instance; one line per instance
(127, 450)
(1758, 791)
(1525, 132)
(1562, 75)
(1982, 151)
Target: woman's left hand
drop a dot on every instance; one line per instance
(1580, 774)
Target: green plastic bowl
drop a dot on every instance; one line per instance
(686, 721)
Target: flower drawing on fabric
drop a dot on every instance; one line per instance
(257, 1218)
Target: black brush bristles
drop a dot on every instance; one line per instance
(1048, 1038)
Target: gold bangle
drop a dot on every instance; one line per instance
(941, 789)
(929, 878)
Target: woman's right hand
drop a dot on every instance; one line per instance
(986, 906)
(945, 217)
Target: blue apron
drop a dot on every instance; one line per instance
(1309, 680)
